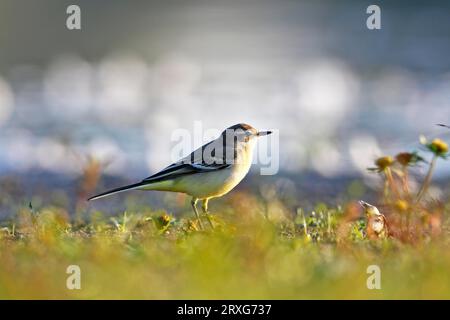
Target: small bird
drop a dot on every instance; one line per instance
(443, 125)
(208, 172)
(377, 227)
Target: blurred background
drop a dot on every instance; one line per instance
(105, 100)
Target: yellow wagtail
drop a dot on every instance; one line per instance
(209, 172)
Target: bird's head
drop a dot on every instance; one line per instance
(243, 132)
(369, 209)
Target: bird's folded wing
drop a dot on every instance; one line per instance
(210, 157)
(178, 169)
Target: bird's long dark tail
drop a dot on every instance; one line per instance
(118, 190)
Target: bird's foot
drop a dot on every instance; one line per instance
(208, 217)
(200, 224)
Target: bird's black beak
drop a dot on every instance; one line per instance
(263, 133)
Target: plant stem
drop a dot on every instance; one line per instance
(305, 226)
(405, 181)
(391, 181)
(426, 182)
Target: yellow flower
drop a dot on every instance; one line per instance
(165, 218)
(401, 205)
(384, 162)
(439, 146)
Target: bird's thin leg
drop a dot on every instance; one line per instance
(194, 206)
(205, 211)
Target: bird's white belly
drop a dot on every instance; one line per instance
(211, 184)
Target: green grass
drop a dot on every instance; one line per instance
(257, 251)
